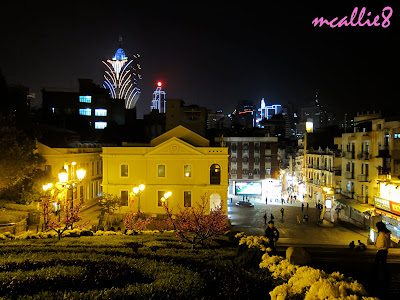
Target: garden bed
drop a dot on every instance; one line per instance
(107, 267)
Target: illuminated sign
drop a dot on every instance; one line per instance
(387, 205)
(248, 188)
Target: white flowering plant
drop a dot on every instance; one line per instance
(304, 282)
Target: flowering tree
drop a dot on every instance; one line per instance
(162, 224)
(71, 215)
(134, 222)
(195, 225)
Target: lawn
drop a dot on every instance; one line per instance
(146, 266)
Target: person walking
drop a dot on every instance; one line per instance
(306, 218)
(272, 234)
(382, 245)
(265, 218)
(302, 206)
(298, 219)
(282, 211)
(307, 206)
(266, 200)
(272, 217)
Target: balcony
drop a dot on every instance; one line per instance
(363, 155)
(348, 194)
(383, 152)
(362, 198)
(349, 155)
(267, 152)
(362, 178)
(337, 172)
(349, 175)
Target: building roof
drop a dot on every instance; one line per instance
(184, 134)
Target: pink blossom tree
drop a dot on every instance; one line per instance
(196, 225)
(71, 215)
(134, 221)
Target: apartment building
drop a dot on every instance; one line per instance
(371, 169)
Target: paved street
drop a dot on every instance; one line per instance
(327, 244)
(251, 221)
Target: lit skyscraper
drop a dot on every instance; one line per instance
(121, 77)
(158, 101)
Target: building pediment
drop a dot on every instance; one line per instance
(174, 146)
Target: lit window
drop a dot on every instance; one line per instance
(397, 135)
(100, 112)
(100, 125)
(161, 170)
(85, 111)
(187, 170)
(187, 198)
(85, 99)
(124, 170)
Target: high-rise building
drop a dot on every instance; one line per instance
(158, 101)
(121, 77)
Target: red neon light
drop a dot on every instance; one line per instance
(159, 83)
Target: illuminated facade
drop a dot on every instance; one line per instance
(371, 170)
(72, 159)
(179, 161)
(121, 78)
(253, 162)
(158, 101)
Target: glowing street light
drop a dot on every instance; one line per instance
(166, 196)
(137, 190)
(63, 175)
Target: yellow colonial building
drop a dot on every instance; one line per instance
(73, 159)
(179, 161)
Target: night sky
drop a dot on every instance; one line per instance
(207, 53)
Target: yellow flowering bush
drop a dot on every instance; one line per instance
(254, 242)
(304, 281)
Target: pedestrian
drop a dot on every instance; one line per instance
(282, 201)
(298, 219)
(382, 245)
(282, 211)
(265, 218)
(306, 218)
(272, 234)
(307, 206)
(272, 217)
(266, 200)
(302, 206)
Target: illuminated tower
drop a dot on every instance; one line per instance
(158, 101)
(121, 77)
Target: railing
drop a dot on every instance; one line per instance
(349, 175)
(349, 155)
(362, 198)
(348, 194)
(362, 178)
(363, 155)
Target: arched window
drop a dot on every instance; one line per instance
(215, 174)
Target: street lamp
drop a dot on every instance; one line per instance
(137, 190)
(65, 183)
(166, 196)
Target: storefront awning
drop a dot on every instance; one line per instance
(357, 206)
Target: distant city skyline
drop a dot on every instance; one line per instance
(208, 54)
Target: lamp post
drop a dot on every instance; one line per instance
(137, 190)
(166, 196)
(65, 183)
